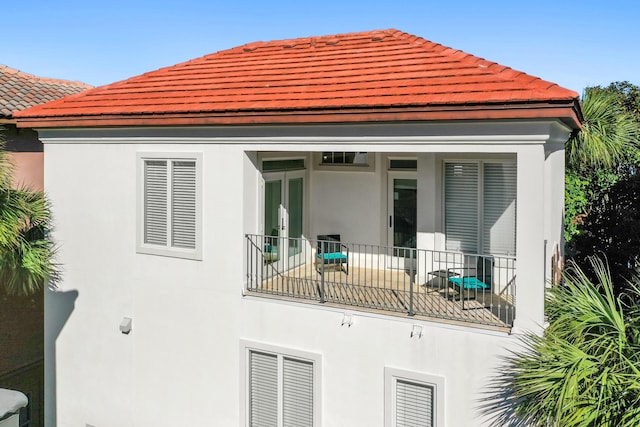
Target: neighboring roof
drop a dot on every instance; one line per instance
(20, 90)
(370, 76)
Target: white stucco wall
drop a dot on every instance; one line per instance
(554, 189)
(180, 364)
(356, 194)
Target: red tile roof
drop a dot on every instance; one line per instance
(20, 90)
(369, 76)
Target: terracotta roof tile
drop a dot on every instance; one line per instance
(20, 90)
(369, 72)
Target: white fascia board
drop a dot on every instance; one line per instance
(378, 135)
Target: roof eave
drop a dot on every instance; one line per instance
(568, 112)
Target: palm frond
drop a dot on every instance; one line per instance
(583, 372)
(26, 253)
(609, 134)
(6, 164)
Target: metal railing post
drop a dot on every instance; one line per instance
(411, 282)
(465, 263)
(250, 261)
(322, 300)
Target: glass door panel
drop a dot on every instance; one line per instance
(402, 213)
(294, 209)
(272, 219)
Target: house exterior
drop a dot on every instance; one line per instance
(344, 230)
(18, 91)
(22, 317)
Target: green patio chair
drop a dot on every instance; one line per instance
(330, 251)
(478, 278)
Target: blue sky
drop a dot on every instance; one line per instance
(569, 42)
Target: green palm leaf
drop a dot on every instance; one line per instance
(584, 371)
(609, 133)
(26, 254)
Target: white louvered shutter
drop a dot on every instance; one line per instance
(183, 204)
(414, 404)
(297, 393)
(461, 207)
(499, 209)
(263, 390)
(155, 202)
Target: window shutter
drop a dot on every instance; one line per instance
(414, 404)
(297, 393)
(499, 208)
(263, 389)
(155, 202)
(461, 207)
(183, 205)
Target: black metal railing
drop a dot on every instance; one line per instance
(457, 286)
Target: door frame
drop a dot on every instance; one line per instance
(284, 263)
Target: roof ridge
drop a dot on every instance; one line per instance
(17, 72)
(247, 47)
(312, 40)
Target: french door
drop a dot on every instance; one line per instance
(283, 218)
(402, 217)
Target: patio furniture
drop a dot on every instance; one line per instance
(471, 278)
(331, 251)
(442, 275)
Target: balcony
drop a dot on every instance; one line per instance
(448, 286)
